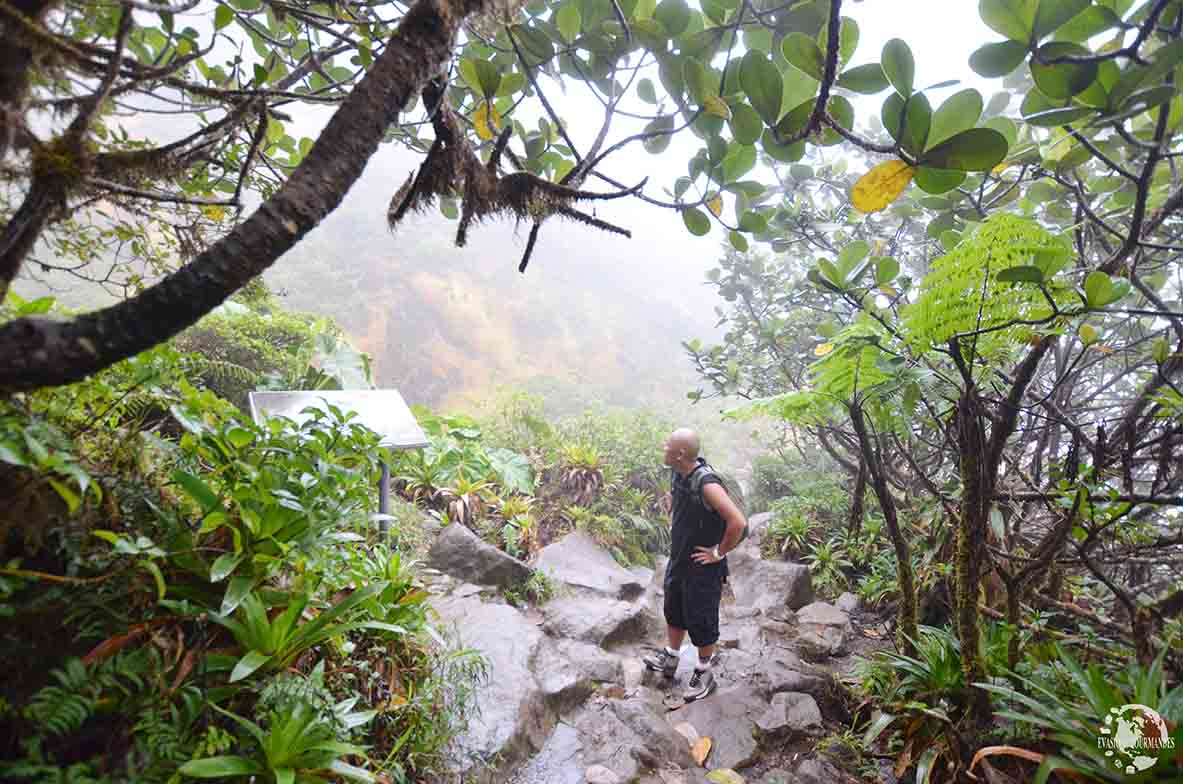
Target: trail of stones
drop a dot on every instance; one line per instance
(569, 702)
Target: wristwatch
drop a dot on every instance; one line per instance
(715, 552)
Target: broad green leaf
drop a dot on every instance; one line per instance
(740, 160)
(488, 77)
(936, 181)
(674, 16)
(746, 125)
(695, 77)
(239, 589)
(866, 79)
(785, 153)
(925, 764)
(738, 241)
(958, 113)
(252, 661)
(1062, 80)
(1021, 274)
(1050, 118)
(1050, 15)
(661, 128)
(899, 66)
(886, 269)
(878, 725)
(239, 437)
(802, 52)
(223, 16)
(73, 502)
(1088, 334)
(697, 223)
(224, 566)
(917, 123)
(220, 768)
(1014, 19)
(196, 489)
(1098, 289)
(1006, 127)
(997, 59)
(978, 149)
(569, 22)
(761, 81)
(753, 222)
(851, 255)
(1088, 23)
(646, 92)
(157, 576)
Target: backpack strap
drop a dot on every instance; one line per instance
(696, 478)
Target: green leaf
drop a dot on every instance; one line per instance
(248, 664)
(697, 222)
(646, 92)
(886, 270)
(925, 764)
(866, 79)
(488, 77)
(1014, 19)
(220, 767)
(223, 16)
(851, 255)
(569, 22)
(878, 725)
(224, 566)
(803, 53)
(740, 160)
(695, 76)
(745, 122)
(1062, 80)
(239, 589)
(958, 113)
(753, 223)
(899, 66)
(196, 489)
(1050, 118)
(738, 241)
(978, 149)
(69, 496)
(662, 126)
(997, 59)
(1050, 15)
(239, 437)
(762, 82)
(1021, 274)
(1098, 289)
(674, 16)
(931, 180)
(785, 153)
(157, 576)
(917, 123)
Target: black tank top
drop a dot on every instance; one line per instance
(694, 525)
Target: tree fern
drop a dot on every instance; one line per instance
(962, 295)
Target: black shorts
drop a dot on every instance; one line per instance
(692, 603)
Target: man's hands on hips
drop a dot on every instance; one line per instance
(705, 555)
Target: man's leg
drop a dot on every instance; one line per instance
(665, 660)
(676, 637)
(703, 596)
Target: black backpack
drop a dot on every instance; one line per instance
(695, 481)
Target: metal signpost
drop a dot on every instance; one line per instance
(382, 410)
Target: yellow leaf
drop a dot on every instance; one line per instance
(214, 213)
(1088, 334)
(888, 291)
(881, 186)
(1000, 168)
(724, 776)
(823, 350)
(487, 120)
(715, 204)
(700, 750)
(717, 106)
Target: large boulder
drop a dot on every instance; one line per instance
(568, 671)
(512, 718)
(557, 762)
(598, 620)
(789, 713)
(757, 526)
(773, 587)
(627, 737)
(824, 630)
(729, 718)
(578, 561)
(459, 552)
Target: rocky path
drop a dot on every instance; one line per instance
(569, 702)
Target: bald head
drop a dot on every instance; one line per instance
(681, 449)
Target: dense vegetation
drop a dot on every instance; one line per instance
(991, 358)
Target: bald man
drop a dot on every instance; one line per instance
(706, 525)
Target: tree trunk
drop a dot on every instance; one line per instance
(907, 626)
(972, 526)
(37, 352)
(854, 525)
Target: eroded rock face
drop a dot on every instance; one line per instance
(627, 737)
(598, 620)
(461, 553)
(773, 587)
(577, 561)
(790, 712)
(512, 718)
(728, 717)
(824, 631)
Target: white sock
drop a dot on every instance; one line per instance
(670, 651)
(702, 666)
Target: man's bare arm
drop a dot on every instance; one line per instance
(714, 496)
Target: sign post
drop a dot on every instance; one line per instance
(382, 410)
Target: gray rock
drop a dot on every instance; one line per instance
(790, 712)
(628, 738)
(769, 586)
(576, 560)
(512, 719)
(847, 603)
(816, 771)
(557, 762)
(598, 774)
(632, 672)
(568, 671)
(824, 630)
(778, 776)
(728, 717)
(757, 526)
(598, 620)
(458, 551)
